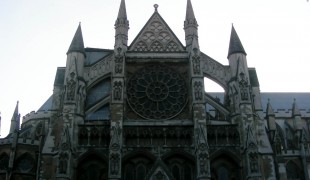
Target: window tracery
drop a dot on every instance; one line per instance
(157, 92)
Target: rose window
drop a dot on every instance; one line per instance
(157, 92)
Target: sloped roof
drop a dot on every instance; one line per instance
(278, 100)
(47, 106)
(94, 55)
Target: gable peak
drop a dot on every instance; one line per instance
(156, 36)
(155, 7)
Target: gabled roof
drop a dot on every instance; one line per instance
(156, 36)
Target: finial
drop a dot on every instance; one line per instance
(155, 6)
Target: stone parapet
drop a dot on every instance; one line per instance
(286, 113)
(36, 115)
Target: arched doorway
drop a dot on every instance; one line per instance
(92, 167)
(224, 167)
(181, 166)
(136, 166)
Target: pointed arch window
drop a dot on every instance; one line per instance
(4, 161)
(176, 172)
(129, 172)
(293, 172)
(223, 173)
(141, 172)
(188, 172)
(25, 163)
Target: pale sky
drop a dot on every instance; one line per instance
(35, 36)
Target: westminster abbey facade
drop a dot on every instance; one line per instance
(140, 112)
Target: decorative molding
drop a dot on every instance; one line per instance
(156, 37)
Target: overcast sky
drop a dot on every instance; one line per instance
(35, 36)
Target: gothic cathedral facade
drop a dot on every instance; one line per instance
(140, 112)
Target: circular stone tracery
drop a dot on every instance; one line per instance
(156, 92)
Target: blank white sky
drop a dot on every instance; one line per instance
(35, 36)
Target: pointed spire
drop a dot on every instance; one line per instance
(269, 111)
(235, 45)
(122, 11)
(189, 11)
(122, 16)
(77, 44)
(295, 109)
(121, 27)
(190, 25)
(15, 120)
(270, 116)
(190, 20)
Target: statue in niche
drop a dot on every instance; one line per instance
(201, 135)
(117, 90)
(81, 98)
(118, 68)
(198, 90)
(253, 162)
(203, 157)
(243, 83)
(115, 133)
(71, 85)
(196, 62)
(63, 163)
(114, 166)
(119, 64)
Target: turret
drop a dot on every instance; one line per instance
(76, 54)
(190, 28)
(15, 120)
(236, 53)
(238, 66)
(74, 81)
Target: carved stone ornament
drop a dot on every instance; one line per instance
(63, 163)
(117, 86)
(118, 65)
(253, 160)
(203, 157)
(114, 163)
(198, 90)
(196, 62)
(157, 92)
(243, 83)
(71, 86)
(159, 176)
(156, 37)
(115, 139)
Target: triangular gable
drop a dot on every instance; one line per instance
(156, 36)
(159, 171)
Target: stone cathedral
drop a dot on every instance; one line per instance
(140, 112)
